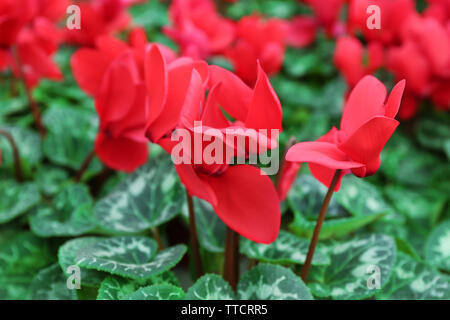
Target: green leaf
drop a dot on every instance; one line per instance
(361, 198)
(333, 228)
(69, 215)
(434, 132)
(70, 137)
(51, 284)
(164, 291)
(21, 257)
(272, 282)
(210, 229)
(437, 247)
(28, 143)
(286, 249)
(412, 280)
(422, 207)
(67, 255)
(404, 163)
(16, 199)
(117, 288)
(129, 256)
(149, 197)
(210, 287)
(306, 197)
(50, 179)
(352, 265)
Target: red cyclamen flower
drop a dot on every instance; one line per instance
(241, 195)
(366, 125)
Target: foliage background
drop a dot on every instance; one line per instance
(398, 219)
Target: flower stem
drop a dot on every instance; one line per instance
(16, 155)
(194, 239)
(84, 166)
(33, 106)
(315, 237)
(157, 236)
(231, 264)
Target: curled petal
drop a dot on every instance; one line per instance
(322, 153)
(365, 102)
(366, 143)
(247, 202)
(121, 153)
(394, 100)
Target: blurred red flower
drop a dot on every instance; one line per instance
(198, 28)
(393, 15)
(99, 18)
(29, 38)
(327, 13)
(121, 106)
(258, 39)
(366, 125)
(90, 64)
(354, 61)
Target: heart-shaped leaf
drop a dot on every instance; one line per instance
(51, 284)
(306, 197)
(67, 255)
(149, 197)
(21, 257)
(16, 199)
(286, 249)
(412, 280)
(210, 287)
(354, 263)
(272, 282)
(129, 256)
(70, 214)
(66, 146)
(361, 198)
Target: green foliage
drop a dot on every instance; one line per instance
(286, 249)
(353, 262)
(129, 256)
(147, 198)
(271, 282)
(210, 287)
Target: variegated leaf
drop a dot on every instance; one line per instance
(149, 197)
(51, 284)
(16, 199)
(129, 256)
(413, 280)
(272, 282)
(70, 214)
(210, 287)
(286, 249)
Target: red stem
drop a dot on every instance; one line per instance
(33, 106)
(16, 155)
(320, 219)
(84, 166)
(231, 264)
